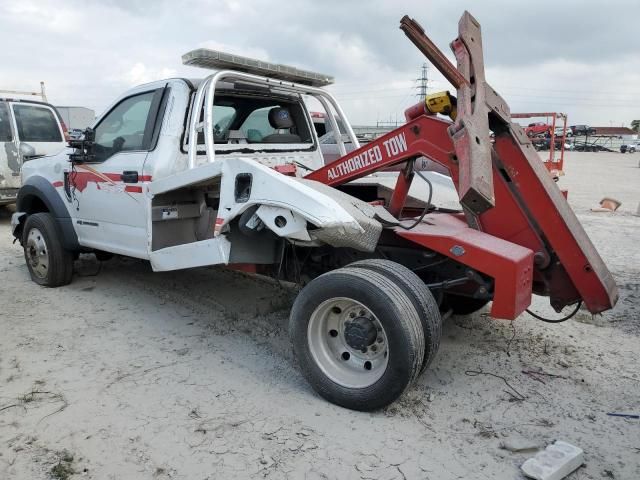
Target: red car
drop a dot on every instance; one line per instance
(537, 129)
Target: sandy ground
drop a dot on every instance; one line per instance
(189, 375)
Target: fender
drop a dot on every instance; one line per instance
(35, 191)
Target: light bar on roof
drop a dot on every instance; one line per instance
(213, 59)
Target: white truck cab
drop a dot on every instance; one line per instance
(172, 166)
(28, 130)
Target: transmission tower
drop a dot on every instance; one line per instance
(422, 87)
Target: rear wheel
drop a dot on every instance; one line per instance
(357, 338)
(49, 264)
(421, 298)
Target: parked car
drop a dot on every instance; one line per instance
(558, 132)
(28, 130)
(545, 144)
(631, 147)
(75, 133)
(537, 129)
(582, 130)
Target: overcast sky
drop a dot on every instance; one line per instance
(579, 57)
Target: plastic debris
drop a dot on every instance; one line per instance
(607, 204)
(623, 415)
(554, 462)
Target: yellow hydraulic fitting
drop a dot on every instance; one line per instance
(442, 102)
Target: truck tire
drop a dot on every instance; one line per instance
(421, 298)
(462, 305)
(357, 338)
(49, 264)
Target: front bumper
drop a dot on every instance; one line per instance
(8, 196)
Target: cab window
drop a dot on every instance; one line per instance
(257, 125)
(223, 115)
(248, 119)
(5, 126)
(36, 124)
(123, 128)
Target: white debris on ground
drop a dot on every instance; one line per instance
(189, 375)
(555, 462)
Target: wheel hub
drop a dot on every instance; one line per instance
(348, 342)
(37, 253)
(360, 332)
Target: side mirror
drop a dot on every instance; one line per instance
(89, 135)
(83, 147)
(27, 152)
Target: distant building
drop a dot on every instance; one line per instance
(77, 117)
(622, 132)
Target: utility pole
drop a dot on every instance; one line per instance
(422, 88)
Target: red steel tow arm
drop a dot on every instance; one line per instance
(517, 227)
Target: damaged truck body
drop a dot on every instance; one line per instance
(229, 170)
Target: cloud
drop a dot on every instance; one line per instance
(578, 57)
(139, 73)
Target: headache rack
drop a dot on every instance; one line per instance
(256, 72)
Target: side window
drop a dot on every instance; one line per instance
(36, 124)
(257, 126)
(123, 128)
(5, 126)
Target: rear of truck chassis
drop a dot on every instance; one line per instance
(516, 235)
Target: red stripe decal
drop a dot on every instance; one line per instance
(84, 175)
(133, 189)
(57, 184)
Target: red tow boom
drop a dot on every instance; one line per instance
(517, 227)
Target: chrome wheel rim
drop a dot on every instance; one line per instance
(37, 253)
(348, 343)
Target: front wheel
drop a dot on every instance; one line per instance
(357, 338)
(48, 262)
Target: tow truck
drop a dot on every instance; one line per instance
(228, 170)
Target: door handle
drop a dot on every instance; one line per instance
(129, 177)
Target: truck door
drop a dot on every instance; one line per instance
(109, 193)
(9, 161)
